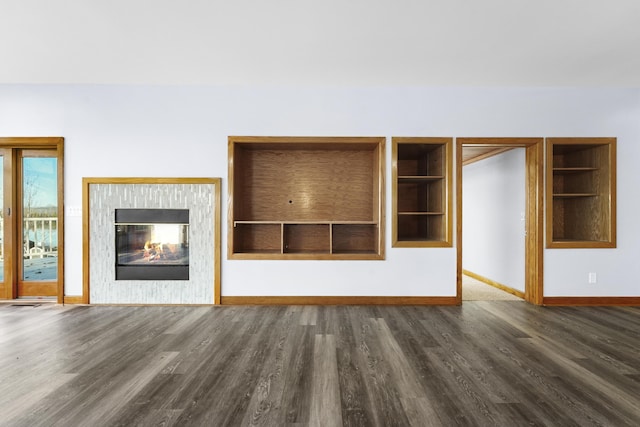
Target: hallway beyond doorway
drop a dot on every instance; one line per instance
(475, 290)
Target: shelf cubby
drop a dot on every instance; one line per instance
(307, 238)
(581, 193)
(422, 186)
(354, 238)
(258, 238)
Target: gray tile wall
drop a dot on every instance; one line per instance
(104, 199)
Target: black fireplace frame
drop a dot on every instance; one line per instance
(150, 216)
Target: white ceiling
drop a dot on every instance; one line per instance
(322, 42)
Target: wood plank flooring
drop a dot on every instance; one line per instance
(486, 363)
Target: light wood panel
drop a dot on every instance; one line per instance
(305, 185)
(497, 363)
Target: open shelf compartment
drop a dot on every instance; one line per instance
(581, 194)
(422, 186)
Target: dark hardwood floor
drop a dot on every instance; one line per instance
(501, 363)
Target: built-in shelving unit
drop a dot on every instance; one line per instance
(581, 192)
(306, 197)
(422, 186)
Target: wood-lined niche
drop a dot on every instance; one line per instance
(306, 197)
(422, 188)
(581, 192)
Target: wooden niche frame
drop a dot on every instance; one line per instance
(581, 192)
(422, 187)
(311, 198)
(86, 184)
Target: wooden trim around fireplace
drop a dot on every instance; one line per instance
(87, 182)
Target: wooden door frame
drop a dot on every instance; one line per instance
(534, 189)
(55, 144)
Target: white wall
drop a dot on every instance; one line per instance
(493, 194)
(181, 131)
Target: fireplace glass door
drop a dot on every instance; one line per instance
(152, 244)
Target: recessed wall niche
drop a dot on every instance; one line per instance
(193, 207)
(306, 197)
(581, 192)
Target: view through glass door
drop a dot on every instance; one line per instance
(30, 225)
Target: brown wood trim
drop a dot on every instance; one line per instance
(337, 300)
(591, 301)
(31, 141)
(304, 256)
(500, 141)
(612, 173)
(580, 244)
(151, 304)
(37, 289)
(488, 154)
(458, 221)
(534, 250)
(86, 232)
(497, 285)
(8, 287)
(230, 186)
(314, 140)
(309, 142)
(60, 153)
(582, 140)
(147, 180)
(381, 153)
(88, 181)
(534, 290)
(217, 230)
(447, 142)
(73, 299)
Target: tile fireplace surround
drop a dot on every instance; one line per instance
(103, 196)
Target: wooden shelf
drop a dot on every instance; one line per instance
(417, 178)
(581, 192)
(306, 198)
(420, 213)
(572, 195)
(304, 222)
(573, 170)
(422, 189)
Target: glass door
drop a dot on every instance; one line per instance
(37, 223)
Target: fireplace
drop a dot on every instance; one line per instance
(152, 244)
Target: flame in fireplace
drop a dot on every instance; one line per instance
(166, 234)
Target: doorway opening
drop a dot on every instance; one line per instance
(31, 220)
(533, 206)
